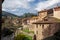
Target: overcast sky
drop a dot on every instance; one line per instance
(20, 7)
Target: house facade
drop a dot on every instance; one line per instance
(46, 28)
(45, 24)
(45, 13)
(31, 20)
(25, 22)
(48, 24)
(17, 21)
(57, 12)
(41, 15)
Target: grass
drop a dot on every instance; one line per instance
(27, 30)
(22, 36)
(30, 38)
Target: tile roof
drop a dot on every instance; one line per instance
(57, 7)
(48, 20)
(45, 10)
(42, 11)
(34, 17)
(25, 19)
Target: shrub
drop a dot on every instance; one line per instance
(23, 37)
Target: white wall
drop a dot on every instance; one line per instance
(57, 14)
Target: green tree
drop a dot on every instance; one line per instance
(28, 15)
(23, 37)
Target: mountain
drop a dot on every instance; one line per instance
(8, 20)
(4, 13)
(27, 15)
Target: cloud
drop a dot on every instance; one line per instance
(19, 7)
(46, 4)
(13, 4)
(30, 0)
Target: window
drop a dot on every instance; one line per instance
(36, 32)
(42, 25)
(36, 26)
(45, 19)
(50, 12)
(49, 28)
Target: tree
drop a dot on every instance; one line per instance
(22, 37)
(28, 15)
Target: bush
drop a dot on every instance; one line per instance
(23, 37)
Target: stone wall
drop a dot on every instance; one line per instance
(50, 30)
(45, 30)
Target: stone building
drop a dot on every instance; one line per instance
(25, 22)
(47, 27)
(48, 23)
(57, 12)
(45, 13)
(17, 22)
(40, 17)
(30, 21)
(45, 24)
(33, 19)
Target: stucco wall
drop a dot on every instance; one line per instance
(31, 27)
(42, 15)
(57, 14)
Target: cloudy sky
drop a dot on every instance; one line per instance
(20, 7)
